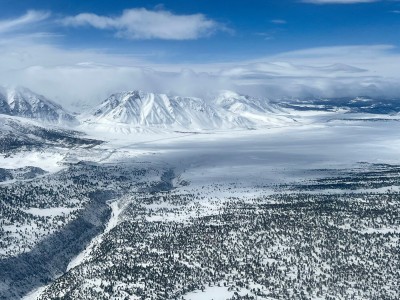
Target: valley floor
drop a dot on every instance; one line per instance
(300, 212)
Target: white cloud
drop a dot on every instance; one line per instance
(326, 71)
(146, 24)
(30, 17)
(87, 77)
(377, 59)
(278, 21)
(338, 1)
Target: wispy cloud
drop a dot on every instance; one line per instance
(338, 1)
(278, 21)
(29, 18)
(141, 23)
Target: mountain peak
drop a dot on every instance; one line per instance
(22, 102)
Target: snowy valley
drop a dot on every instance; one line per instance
(156, 196)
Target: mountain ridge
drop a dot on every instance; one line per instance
(226, 110)
(139, 111)
(22, 102)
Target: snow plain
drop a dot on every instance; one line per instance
(264, 155)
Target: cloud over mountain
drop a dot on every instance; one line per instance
(71, 77)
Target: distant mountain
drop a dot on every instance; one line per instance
(225, 110)
(360, 104)
(22, 102)
(254, 110)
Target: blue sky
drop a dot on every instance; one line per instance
(249, 28)
(257, 46)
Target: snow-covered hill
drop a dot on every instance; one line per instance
(138, 109)
(22, 102)
(22, 134)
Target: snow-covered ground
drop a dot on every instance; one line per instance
(214, 293)
(218, 165)
(268, 155)
(116, 209)
(50, 160)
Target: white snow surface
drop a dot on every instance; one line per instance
(214, 293)
(50, 160)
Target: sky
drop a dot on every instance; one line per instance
(81, 51)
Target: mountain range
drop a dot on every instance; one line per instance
(137, 111)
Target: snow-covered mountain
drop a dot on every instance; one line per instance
(138, 109)
(21, 133)
(22, 102)
(254, 110)
(147, 109)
